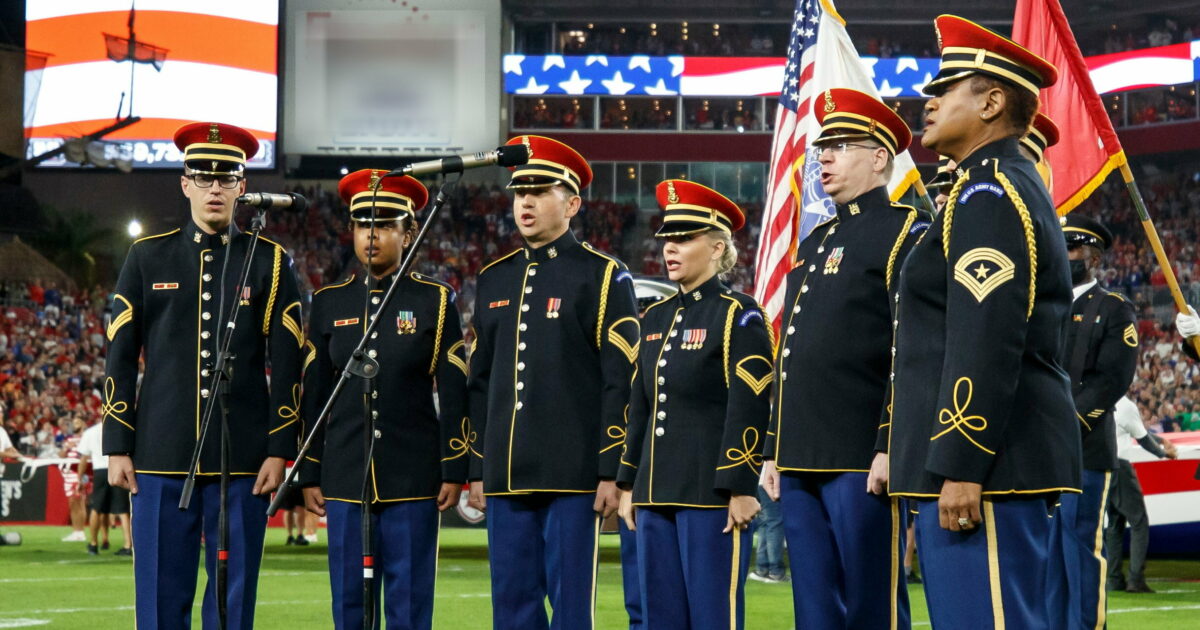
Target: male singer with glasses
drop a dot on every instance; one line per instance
(826, 449)
(172, 300)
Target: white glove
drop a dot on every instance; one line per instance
(1188, 324)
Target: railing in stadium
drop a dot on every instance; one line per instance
(1133, 108)
(634, 182)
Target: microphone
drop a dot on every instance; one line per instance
(295, 201)
(507, 155)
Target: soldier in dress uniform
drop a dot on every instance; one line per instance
(697, 417)
(172, 298)
(556, 337)
(1101, 354)
(1042, 135)
(421, 450)
(983, 433)
(942, 182)
(824, 459)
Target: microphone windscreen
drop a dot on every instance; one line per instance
(299, 203)
(513, 155)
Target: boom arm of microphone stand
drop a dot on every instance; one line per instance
(358, 364)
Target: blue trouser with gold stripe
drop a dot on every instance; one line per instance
(405, 543)
(996, 575)
(629, 576)
(693, 576)
(845, 547)
(166, 551)
(1081, 525)
(543, 546)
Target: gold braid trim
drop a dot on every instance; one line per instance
(274, 290)
(949, 212)
(603, 300)
(891, 263)
(437, 337)
(1030, 241)
(728, 331)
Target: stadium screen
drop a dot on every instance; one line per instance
(169, 62)
(389, 78)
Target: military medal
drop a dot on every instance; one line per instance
(693, 338)
(406, 323)
(246, 296)
(833, 262)
(552, 306)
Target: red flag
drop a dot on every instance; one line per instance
(1088, 149)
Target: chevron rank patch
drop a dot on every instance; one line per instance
(982, 270)
(1130, 337)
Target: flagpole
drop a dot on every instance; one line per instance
(1156, 244)
(924, 195)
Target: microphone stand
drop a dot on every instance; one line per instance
(366, 526)
(222, 376)
(365, 367)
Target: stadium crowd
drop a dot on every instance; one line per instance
(1167, 384)
(51, 364)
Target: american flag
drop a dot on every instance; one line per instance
(820, 56)
(783, 224)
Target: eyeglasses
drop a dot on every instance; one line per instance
(840, 148)
(203, 180)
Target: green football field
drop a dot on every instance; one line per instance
(47, 583)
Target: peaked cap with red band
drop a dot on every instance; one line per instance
(846, 113)
(968, 48)
(689, 208)
(215, 148)
(1042, 135)
(550, 162)
(395, 197)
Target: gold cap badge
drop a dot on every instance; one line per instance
(829, 105)
(214, 133)
(672, 197)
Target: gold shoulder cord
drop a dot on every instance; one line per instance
(949, 212)
(891, 263)
(1030, 241)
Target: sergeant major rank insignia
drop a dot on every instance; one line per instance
(693, 338)
(406, 323)
(552, 306)
(834, 260)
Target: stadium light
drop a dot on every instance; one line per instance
(134, 228)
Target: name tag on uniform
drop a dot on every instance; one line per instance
(160, 286)
(498, 304)
(345, 322)
(654, 337)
